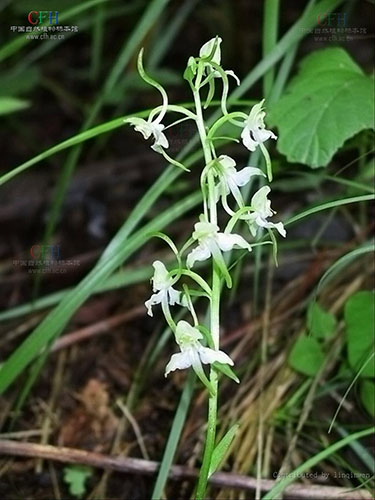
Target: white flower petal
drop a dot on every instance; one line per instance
(155, 298)
(140, 125)
(260, 203)
(174, 296)
(262, 135)
(161, 279)
(248, 142)
(279, 226)
(206, 50)
(229, 72)
(204, 230)
(179, 361)
(201, 252)
(226, 241)
(209, 356)
(254, 131)
(160, 137)
(187, 335)
(226, 161)
(243, 176)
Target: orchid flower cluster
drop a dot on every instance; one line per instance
(221, 182)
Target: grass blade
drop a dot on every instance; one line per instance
(174, 436)
(277, 490)
(55, 322)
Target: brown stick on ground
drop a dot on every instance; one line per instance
(178, 472)
(104, 326)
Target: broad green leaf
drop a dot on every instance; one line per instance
(221, 449)
(360, 320)
(328, 102)
(320, 323)
(306, 356)
(367, 392)
(75, 476)
(12, 104)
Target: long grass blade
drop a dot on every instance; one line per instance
(174, 436)
(277, 490)
(55, 322)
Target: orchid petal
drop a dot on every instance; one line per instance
(161, 278)
(226, 161)
(178, 361)
(243, 176)
(226, 242)
(186, 335)
(249, 143)
(279, 226)
(206, 50)
(155, 298)
(174, 296)
(231, 73)
(260, 203)
(199, 253)
(209, 356)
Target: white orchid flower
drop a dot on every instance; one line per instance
(262, 210)
(151, 128)
(254, 132)
(231, 179)
(206, 50)
(193, 353)
(212, 242)
(164, 294)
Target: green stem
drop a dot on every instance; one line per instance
(214, 314)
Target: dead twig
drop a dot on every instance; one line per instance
(177, 472)
(98, 328)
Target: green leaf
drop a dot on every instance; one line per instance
(12, 104)
(306, 356)
(320, 323)
(221, 449)
(227, 370)
(325, 104)
(75, 476)
(367, 392)
(359, 318)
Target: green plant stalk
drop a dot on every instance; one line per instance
(214, 312)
